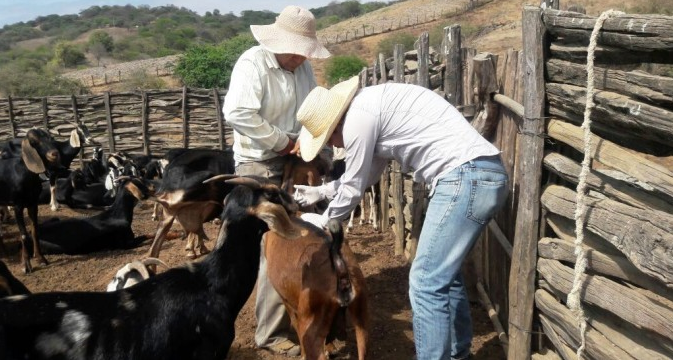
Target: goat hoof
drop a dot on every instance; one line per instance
(191, 254)
(43, 260)
(27, 269)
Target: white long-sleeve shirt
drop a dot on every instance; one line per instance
(407, 123)
(262, 102)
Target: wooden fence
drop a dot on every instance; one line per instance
(145, 122)
(523, 265)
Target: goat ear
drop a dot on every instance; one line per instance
(133, 189)
(276, 217)
(74, 139)
(31, 158)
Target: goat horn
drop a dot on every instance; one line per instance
(140, 267)
(154, 261)
(223, 177)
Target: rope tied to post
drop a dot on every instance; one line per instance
(574, 296)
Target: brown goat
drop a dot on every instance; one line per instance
(299, 172)
(317, 277)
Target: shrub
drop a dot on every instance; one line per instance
(387, 45)
(67, 54)
(28, 82)
(102, 38)
(210, 66)
(342, 67)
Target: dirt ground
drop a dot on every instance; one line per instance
(386, 276)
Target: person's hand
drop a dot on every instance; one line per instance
(319, 220)
(288, 148)
(308, 195)
(296, 150)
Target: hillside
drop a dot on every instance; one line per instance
(495, 27)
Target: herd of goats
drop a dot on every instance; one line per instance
(185, 312)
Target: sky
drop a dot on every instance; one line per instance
(13, 11)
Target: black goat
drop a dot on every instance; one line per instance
(183, 313)
(111, 229)
(95, 169)
(76, 193)
(20, 185)
(185, 197)
(9, 285)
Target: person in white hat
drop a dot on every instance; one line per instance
(434, 142)
(268, 84)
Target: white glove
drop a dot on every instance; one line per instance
(319, 220)
(308, 195)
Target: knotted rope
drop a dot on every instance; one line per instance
(574, 297)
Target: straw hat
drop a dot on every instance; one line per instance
(292, 33)
(320, 113)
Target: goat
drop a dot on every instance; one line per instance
(183, 313)
(316, 277)
(133, 273)
(95, 169)
(69, 150)
(298, 172)
(9, 285)
(20, 185)
(183, 195)
(111, 229)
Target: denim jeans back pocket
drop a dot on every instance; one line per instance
(487, 196)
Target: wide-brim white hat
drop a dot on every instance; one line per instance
(320, 113)
(294, 32)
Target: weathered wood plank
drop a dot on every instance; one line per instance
(453, 75)
(645, 237)
(625, 303)
(628, 31)
(658, 177)
(569, 170)
(423, 49)
(643, 86)
(597, 346)
(604, 264)
(616, 113)
(610, 56)
(485, 121)
(522, 273)
(550, 330)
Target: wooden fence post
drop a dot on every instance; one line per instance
(12, 126)
(397, 179)
(75, 116)
(144, 123)
(524, 254)
(453, 75)
(45, 113)
(486, 119)
(384, 183)
(219, 117)
(185, 120)
(108, 119)
(423, 52)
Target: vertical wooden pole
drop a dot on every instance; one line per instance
(75, 115)
(384, 183)
(45, 114)
(396, 172)
(110, 126)
(220, 118)
(144, 117)
(423, 50)
(185, 124)
(12, 126)
(363, 77)
(453, 75)
(524, 254)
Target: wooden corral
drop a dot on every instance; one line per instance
(530, 104)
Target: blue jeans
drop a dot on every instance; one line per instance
(462, 204)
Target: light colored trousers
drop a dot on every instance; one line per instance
(462, 204)
(273, 322)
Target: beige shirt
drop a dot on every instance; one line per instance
(262, 102)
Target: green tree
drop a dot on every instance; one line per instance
(210, 66)
(67, 55)
(342, 67)
(103, 38)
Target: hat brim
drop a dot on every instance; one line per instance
(309, 145)
(280, 41)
